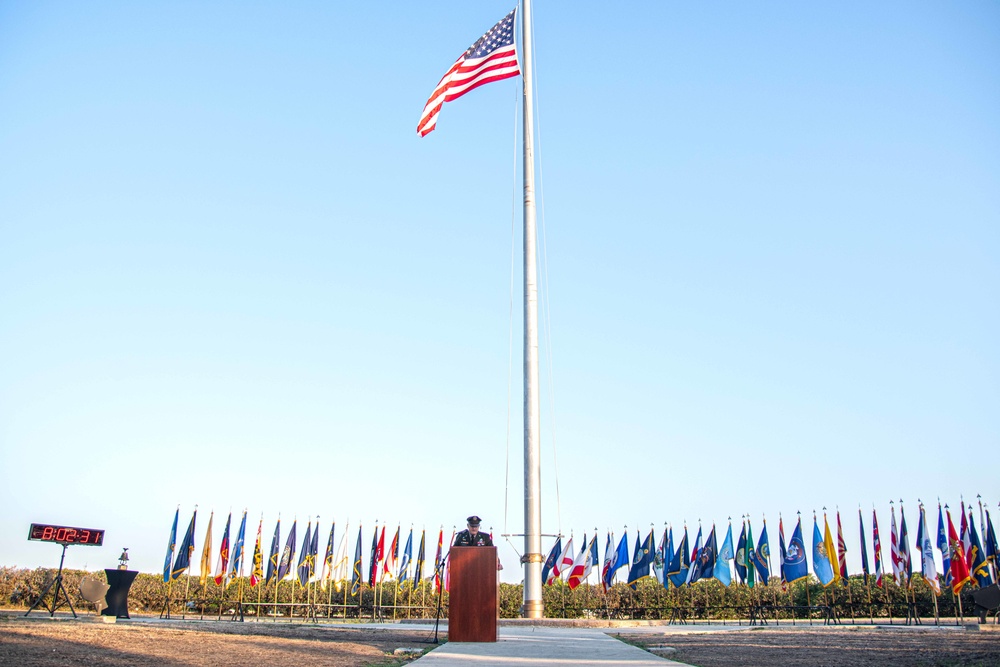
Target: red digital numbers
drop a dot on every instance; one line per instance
(65, 534)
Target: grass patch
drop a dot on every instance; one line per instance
(390, 660)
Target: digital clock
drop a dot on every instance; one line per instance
(44, 532)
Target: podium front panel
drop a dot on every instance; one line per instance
(472, 594)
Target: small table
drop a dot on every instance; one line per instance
(120, 581)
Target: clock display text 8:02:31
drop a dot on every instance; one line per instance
(66, 534)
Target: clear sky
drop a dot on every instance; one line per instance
(232, 275)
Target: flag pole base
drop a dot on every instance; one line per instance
(532, 609)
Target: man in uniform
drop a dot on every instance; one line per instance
(471, 537)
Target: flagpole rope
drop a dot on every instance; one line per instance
(544, 286)
(547, 320)
(510, 311)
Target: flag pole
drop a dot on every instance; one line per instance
(276, 582)
(166, 602)
(329, 597)
(187, 587)
(774, 592)
(187, 574)
(532, 559)
(239, 603)
(808, 599)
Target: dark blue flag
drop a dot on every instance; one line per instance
(314, 551)
(980, 568)
(703, 566)
(551, 560)
(186, 550)
(642, 562)
(794, 565)
(741, 554)
(272, 559)
(680, 564)
(761, 555)
(305, 555)
(288, 553)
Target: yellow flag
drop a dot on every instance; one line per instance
(206, 553)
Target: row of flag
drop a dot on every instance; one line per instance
(385, 562)
(965, 556)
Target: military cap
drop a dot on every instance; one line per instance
(474, 520)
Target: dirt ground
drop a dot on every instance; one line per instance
(43, 642)
(856, 647)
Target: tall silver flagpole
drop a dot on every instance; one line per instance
(532, 475)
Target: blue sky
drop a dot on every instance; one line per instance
(232, 275)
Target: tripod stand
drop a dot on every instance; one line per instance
(58, 584)
(439, 575)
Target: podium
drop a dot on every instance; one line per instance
(472, 608)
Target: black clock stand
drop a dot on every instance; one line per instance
(57, 583)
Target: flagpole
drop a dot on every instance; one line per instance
(329, 597)
(277, 581)
(533, 606)
(260, 595)
(166, 602)
(808, 599)
(187, 586)
(311, 571)
(239, 604)
(774, 593)
(187, 576)
(982, 519)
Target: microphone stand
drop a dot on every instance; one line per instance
(439, 571)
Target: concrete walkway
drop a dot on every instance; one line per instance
(537, 646)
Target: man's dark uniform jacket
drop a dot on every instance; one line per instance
(465, 539)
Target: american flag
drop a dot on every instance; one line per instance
(492, 58)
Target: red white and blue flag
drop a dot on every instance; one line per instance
(492, 58)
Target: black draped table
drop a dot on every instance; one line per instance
(120, 582)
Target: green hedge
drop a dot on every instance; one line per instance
(19, 588)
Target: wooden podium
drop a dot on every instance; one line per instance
(472, 608)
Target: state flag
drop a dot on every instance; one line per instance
(223, 564)
(641, 564)
(550, 569)
(186, 550)
(171, 542)
(721, 570)
(257, 573)
(822, 567)
(794, 565)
